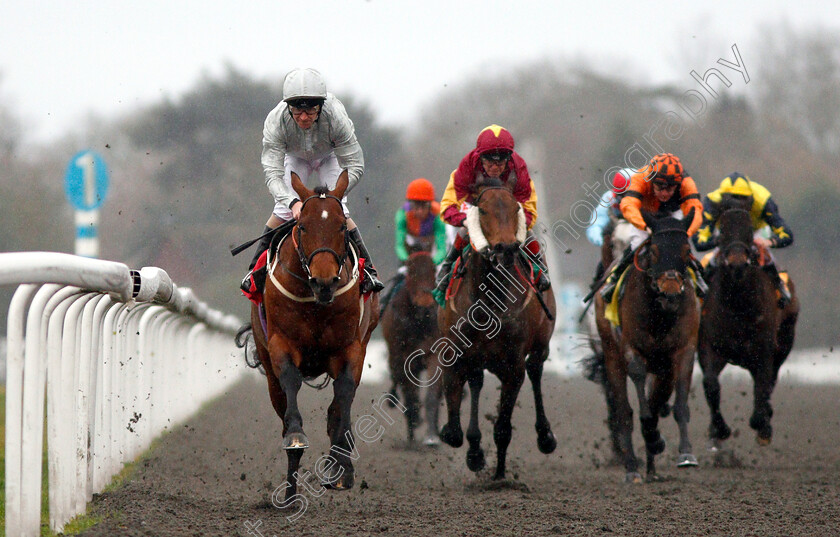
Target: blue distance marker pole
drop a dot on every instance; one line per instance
(86, 184)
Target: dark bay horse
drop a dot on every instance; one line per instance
(742, 325)
(316, 323)
(409, 326)
(495, 322)
(655, 344)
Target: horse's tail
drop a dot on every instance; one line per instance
(241, 340)
(594, 367)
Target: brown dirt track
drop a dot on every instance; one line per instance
(216, 472)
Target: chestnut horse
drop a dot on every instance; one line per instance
(316, 323)
(495, 321)
(742, 325)
(658, 336)
(409, 325)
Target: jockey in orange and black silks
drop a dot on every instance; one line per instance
(493, 157)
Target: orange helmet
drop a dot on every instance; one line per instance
(420, 190)
(495, 140)
(667, 168)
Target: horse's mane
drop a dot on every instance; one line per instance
(321, 190)
(489, 181)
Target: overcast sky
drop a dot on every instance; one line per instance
(62, 60)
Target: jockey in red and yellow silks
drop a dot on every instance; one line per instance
(493, 157)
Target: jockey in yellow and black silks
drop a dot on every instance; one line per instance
(764, 213)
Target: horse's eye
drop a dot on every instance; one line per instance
(481, 211)
(301, 228)
(343, 228)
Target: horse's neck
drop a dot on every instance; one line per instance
(500, 288)
(741, 295)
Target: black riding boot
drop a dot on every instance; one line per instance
(543, 283)
(784, 292)
(370, 282)
(444, 273)
(615, 274)
(259, 276)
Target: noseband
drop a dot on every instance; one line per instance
(672, 274)
(305, 260)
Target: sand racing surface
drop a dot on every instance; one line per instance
(215, 474)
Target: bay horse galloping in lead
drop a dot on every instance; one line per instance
(409, 324)
(316, 323)
(659, 319)
(495, 322)
(741, 324)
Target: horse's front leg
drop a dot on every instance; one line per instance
(712, 364)
(284, 381)
(648, 412)
(502, 430)
(289, 379)
(763, 381)
(431, 404)
(661, 388)
(339, 472)
(453, 389)
(622, 416)
(545, 438)
(682, 374)
(475, 455)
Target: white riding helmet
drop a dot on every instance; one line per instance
(304, 84)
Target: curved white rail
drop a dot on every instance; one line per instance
(121, 355)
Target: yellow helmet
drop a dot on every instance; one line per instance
(736, 184)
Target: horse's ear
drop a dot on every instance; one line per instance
(689, 218)
(649, 219)
(341, 185)
(299, 187)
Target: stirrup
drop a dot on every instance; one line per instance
(370, 283)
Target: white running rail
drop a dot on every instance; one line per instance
(122, 355)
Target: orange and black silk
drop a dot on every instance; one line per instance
(640, 196)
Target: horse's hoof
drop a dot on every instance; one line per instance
(715, 444)
(452, 436)
(475, 460)
(654, 478)
(547, 442)
(686, 460)
(633, 477)
(295, 441)
(431, 440)
(656, 447)
(763, 441)
(343, 482)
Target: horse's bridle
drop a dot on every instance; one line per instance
(668, 274)
(485, 189)
(750, 249)
(305, 260)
